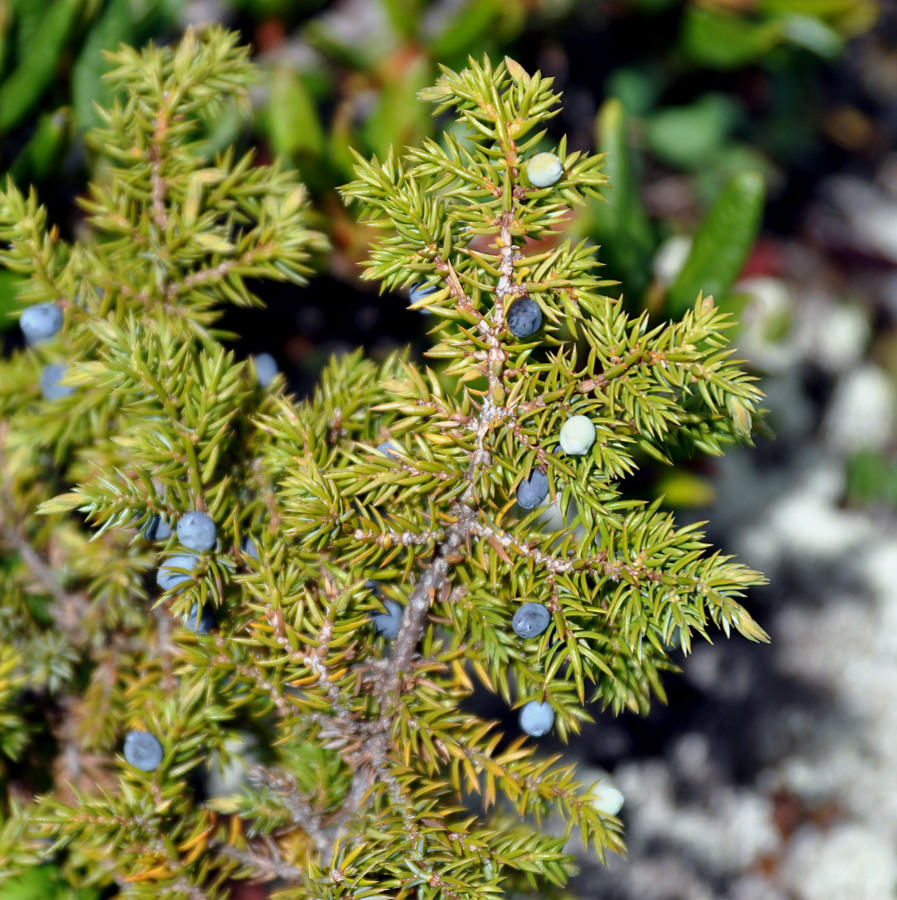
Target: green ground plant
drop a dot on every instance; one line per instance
(359, 765)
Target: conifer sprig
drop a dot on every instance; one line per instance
(388, 494)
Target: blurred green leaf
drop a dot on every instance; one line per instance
(470, 25)
(44, 883)
(155, 16)
(263, 9)
(404, 15)
(684, 490)
(689, 136)
(818, 8)
(36, 69)
(222, 132)
(6, 19)
(722, 244)
(9, 282)
(815, 35)
(636, 87)
(620, 225)
(114, 26)
(726, 41)
(41, 155)
(849, 16)
(358, 55)
(871, 477)
(291, 119)
(731, 160)
(340, 141)
(654, 6)
(26, 16)
(398, 118)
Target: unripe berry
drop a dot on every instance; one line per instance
(530, 620)
(196, 531)
(544, 169)
(49, 382)
(606, 798)
(201, 619)
(265, 368)
(536, 718)
(524, 318)
(143, 750)
(532, 490)
(168, 579)
(577, 435)
(40, 322)
(388, 623)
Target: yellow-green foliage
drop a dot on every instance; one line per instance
(363, 774)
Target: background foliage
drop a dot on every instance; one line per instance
(710, 89)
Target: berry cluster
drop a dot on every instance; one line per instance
(197, 532)
(531, 620)
(39, 324)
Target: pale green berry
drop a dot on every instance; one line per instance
(606, 798)
(577, 435)
(544, 169)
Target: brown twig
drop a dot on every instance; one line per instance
(284, 785)
(69, 609)
(267, 867)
